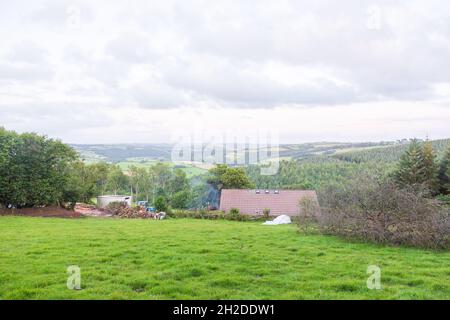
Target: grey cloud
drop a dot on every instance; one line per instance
(57, 14)
(156, 96)
(131, 48)
(55, 117)
(25, 72)
(234, 86)
(383, 62)
(27, 51)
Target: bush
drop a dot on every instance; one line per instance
(308, 211)
(209, 215)
(444, 198)
(377, 210)
(36, 171)
(234, 211)
(161, 204)
(266, 213)
(180, 199)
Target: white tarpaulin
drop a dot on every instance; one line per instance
(279, 220)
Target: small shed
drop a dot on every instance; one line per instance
(103, 201)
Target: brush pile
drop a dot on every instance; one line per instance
(122, 210)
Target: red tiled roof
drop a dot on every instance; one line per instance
(251, 202)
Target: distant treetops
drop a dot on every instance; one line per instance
(419, 166)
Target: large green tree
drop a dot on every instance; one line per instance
(140, 182)
(36, 171)
(224, 177)
(117, 181)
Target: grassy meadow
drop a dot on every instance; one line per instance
(200, 259)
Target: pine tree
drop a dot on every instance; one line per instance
(431, 168)
(411, 169)
(444, 173)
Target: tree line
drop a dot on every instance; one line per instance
(38, 171)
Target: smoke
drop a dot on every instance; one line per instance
(212, 197)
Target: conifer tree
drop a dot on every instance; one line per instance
(444, 173)
(411, 169)
(431, 168)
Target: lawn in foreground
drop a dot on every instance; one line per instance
(199, 259)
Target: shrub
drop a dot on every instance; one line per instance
(378, 210)
(210, 215)
(444, 199)
(161, 203)
(308, 211)
(234, 212)
(180, 199)
(266, 213)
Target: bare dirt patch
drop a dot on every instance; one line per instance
(91, 210)
(41, 212)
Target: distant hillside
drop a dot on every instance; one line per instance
(391, 153)
(122, 152)
(351, 152)
(307, 150)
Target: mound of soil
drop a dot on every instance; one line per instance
(41, 212)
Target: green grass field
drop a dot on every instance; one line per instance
(199, 259)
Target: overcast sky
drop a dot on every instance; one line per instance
(135, 71)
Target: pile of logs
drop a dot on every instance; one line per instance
(128, 212)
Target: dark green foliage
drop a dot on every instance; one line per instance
(444, 173)
(411, 168)
(211, 215)
(180, 199)
(178, 181)
(418, 166)
(161, 204)
(224, 177)
(387, 154)
(36, 171)
(234, 212)
(431, 168)
(215, 176)
(310, 174)
(145, 184)
(117, 181)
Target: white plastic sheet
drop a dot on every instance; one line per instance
(283, 219)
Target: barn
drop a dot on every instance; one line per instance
(253, 202)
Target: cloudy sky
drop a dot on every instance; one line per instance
(136, 71)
